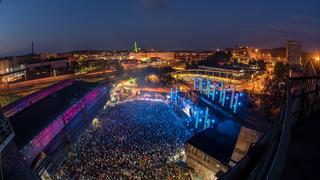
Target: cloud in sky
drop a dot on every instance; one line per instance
(298, 25)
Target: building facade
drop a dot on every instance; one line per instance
(150, 55)
(10, 70)
(212, 152)
(11, 161)
(245, 139)
(204, 165)
(45, 125)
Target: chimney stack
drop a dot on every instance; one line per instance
(32, 48)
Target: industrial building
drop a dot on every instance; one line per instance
(293, 52)
(45, 125)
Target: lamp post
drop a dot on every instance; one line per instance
(197, 118)
(200, 85)
(208, 88)
(232, 96)
(236, 103)
(177, 95)
(224, 97)
(206, 123)
(214, 92)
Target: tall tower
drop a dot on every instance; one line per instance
(32, 48)
(293, 52)
(135, 47)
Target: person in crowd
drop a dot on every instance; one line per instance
(135, 140)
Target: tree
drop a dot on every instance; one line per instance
(191, 65)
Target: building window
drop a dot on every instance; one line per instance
(194, 150)
(206, 159)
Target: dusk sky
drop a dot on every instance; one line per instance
(63, 25)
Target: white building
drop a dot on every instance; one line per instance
(10, 70)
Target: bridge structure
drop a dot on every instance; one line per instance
(289, 150)
(217, 74)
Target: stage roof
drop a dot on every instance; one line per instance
(215, 143)
(30, 121)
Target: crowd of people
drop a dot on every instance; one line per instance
(134, 140)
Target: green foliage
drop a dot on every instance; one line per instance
(214, 59)
(165, 78)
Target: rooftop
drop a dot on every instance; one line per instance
(47, 61)
(30, 121)
(216, 143)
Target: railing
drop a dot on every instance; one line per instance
(234, 78)
(302, 100)
(213, 72)
(6, 132)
